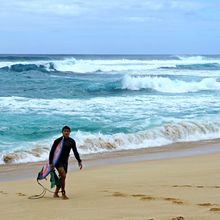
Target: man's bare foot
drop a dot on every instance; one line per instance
(64, 197)
(55, 195)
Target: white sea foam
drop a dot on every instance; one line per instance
(137, 106)
(28, 151)
(164, 84)
(97, 142)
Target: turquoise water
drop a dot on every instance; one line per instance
(110, 102)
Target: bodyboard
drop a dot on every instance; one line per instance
(46, 168)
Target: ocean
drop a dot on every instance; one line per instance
(111, 102)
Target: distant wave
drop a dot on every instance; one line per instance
(29, 67)
(94, 143)
(205, 66)
(81, 66)
(164, 84)
(30, 58)
(72, 64)
(146, 84)
(193, 58)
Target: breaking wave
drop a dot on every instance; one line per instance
(77, 65)
(95, 143)
(29, 67)
(167, 85)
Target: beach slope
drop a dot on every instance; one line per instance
(168, 189)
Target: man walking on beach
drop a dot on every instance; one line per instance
(62, 163)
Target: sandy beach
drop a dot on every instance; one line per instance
(159, 189)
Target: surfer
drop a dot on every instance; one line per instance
(62, 163)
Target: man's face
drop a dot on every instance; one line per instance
(66, 133)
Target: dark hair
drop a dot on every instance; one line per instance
(66, 127)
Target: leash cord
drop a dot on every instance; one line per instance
(42, 194)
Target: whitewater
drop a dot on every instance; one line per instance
(111, 102)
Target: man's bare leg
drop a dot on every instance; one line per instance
(55, 195)
(62, 175)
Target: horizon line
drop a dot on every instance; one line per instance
(113, 54)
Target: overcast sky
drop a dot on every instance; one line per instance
(110, 26)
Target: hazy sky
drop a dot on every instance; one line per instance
(113, 26)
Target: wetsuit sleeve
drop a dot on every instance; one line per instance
(76, 152)
(53, 148)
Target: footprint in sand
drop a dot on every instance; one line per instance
(205, 204)
(174, 200)
(138, 195)
(3, 193)
(200, 186)
(178, 218)
(215, 210)
(119, 194)
(143, 198)
(181, 186)
(178, 202)
(20, 194)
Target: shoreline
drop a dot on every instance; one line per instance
(12, 172)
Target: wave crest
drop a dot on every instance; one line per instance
(204, 66)
(93, 143)
(166, 85)
(29, 67)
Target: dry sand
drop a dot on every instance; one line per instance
(166, 189)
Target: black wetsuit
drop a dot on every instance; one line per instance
(68, 144)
